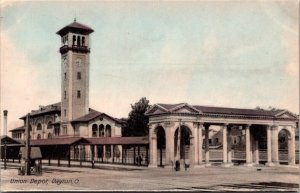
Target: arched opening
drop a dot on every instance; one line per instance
(78, 40)
(38, 136)
(49, 136)
(161, 144)
(39, 127)
(108, 130)
(284, 146)
(182, 146)
(94, 130)
(74, 40)
(49, 125)
(83, 41)
(101, 130)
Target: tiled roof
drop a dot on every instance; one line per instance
(8, 140)
(199, 109)
(44, 109)
(118, 140)
(77, 27)
(94, 114)
(22, 128)
(235, 111)
(58, 141)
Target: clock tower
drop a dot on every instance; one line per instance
(75, 62)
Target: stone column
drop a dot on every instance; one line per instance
(256, 152)
(229, 159)
(196, 145)
(248, 146)
(153, 151)
(192, 151)
(274, 131)
(225, 144)
(200, 144)
(269, 146)
(207, 145)
(291, 144)
(169, 147)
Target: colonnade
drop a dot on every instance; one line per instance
(196, 139)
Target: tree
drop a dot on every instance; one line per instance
(137, 123)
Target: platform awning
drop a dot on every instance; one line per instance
(9, 141)
(118, 140)
(59, 141)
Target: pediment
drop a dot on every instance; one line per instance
(155, 110)
(286, 114)
(185, 109)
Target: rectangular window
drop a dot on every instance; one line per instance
(65, 76)
(65, 130)
(78, 75)
(78, 94)
(65, 94)
(65, 112)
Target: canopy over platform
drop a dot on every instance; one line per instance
(59, 141)
(9, 141)
(119, 140)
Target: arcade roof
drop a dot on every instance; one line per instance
(209, 110)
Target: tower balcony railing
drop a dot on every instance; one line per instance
(75, 48)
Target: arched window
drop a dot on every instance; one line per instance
(83, 41)
(74, 40)
(39, 127)
(94, 130)
(38, 136)
(49, 125)
(101, 130)
(78, 40)
(108, 131)
(49, 136)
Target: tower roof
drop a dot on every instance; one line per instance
(75, 27)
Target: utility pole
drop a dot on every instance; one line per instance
(27, 147)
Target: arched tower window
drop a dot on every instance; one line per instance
(74, 40)
(108, 130)
(38, 136)
(49, 125)
(101, 130)
(39, 127)
(94, 130)
(78, 40)
(83, 41)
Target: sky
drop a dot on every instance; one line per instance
(240, 54)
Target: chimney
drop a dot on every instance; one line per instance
(5, 122)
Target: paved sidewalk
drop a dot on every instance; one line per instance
(237, 178)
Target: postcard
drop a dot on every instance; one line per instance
(149, 96)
